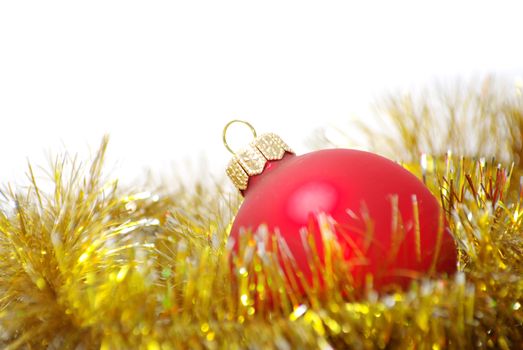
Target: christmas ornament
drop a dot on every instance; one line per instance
(390, 227)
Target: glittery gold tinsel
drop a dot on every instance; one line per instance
(85, 264)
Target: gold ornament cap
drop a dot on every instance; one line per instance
(251, 160)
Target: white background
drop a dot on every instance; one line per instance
(162, 78)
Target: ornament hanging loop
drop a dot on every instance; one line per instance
(224, 136)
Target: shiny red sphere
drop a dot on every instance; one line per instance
(344, 184)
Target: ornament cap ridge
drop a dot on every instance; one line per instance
(251, 160)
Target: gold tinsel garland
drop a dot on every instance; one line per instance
(87, 265)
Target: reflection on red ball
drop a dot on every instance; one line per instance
(345, 184)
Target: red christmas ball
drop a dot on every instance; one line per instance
(289, 194)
